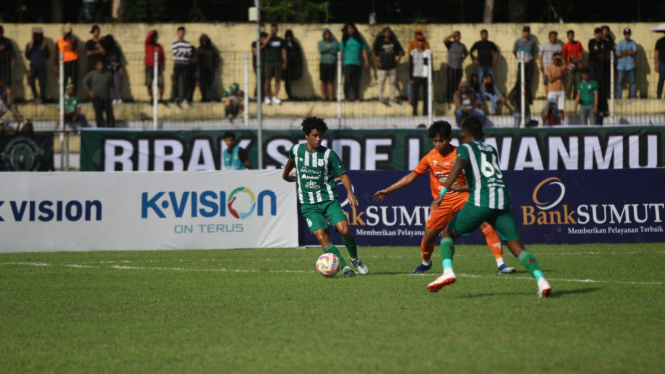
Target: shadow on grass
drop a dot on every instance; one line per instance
(560, 293)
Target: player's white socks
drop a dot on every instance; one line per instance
(448, 271)
(499, 262)
(427, 263)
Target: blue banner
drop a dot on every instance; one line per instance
(550, 207)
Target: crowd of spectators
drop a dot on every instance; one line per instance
(562, 66)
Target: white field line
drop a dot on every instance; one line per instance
(462, 275)
(371, 257)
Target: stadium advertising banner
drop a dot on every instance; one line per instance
(146, 211)
(564, 148)
(553, 207)
(26, 152)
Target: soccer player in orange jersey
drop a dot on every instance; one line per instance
(439, 161)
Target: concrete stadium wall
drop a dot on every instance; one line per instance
(233, 40)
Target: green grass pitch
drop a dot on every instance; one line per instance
(268, 311)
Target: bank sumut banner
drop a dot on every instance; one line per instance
(553, 207)
(146, 211)
(564, 148)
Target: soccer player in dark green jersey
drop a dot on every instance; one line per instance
(314, 166)
(489, 201)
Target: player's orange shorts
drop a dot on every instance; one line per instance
(439, 218)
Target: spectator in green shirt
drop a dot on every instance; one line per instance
(72, 105)
(98, 83)
(274, 49)
(352, 47)
(233, 101)
(587, 95)
(328, 48)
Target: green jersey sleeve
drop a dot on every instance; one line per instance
(336, 164)
(463, 152)
(292, 156)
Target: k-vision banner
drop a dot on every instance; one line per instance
(146, 211)
(563, 148)
(555, 207)
(26, 152)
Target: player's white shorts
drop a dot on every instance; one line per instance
(559, 96)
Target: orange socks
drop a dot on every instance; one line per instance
(494, 243)
(426, 249)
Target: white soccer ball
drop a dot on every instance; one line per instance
(328, 265)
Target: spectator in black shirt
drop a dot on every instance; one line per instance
(37, 52)
(208, 60)
(387, 53)
(262, 38)
(7, 63)
(293, 70)
(600, 50)
(94, 49)
(660, 64)
(486, 57)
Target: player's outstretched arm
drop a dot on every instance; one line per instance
(405, 181)
(346, 181)
(460, 163)
(286, 175)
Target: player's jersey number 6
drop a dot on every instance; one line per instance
(489, 169)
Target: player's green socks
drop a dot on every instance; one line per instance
(330, 248)
(350, 244)
(529, 261)
(447, 252)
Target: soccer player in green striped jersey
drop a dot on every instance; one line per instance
(489, 201)
(314, 166)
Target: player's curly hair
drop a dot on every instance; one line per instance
(441, 128)
(314, 123)
(473, 127)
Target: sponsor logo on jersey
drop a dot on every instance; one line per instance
(305, 169)
(311, 185)
(310, 177)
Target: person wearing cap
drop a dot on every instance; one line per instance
(545, 54)
(524, 48)
(556, 75)
(72, 106)
(234, 157)
(37, 52)
(487, 56)
(419, 61)
(626, 52)
(7, 63)
(572, 56)
(660, 64)
(232, 98)
(457, 52)
(467, 104)
(68, 45)
(94, 49)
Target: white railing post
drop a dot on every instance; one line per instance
(339, 89)
(246, 112)
(259, 83)
(61, 75)
(612, 93)
(429, 90)
(155, 90)
(523, 90)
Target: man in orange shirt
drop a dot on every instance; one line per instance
(439, 161)
(68, 45)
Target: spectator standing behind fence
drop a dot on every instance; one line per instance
(113, 64)
(466, 104)
(545, 54)
(387, 53)
(37, 52)
(573, 52)
(413, 45)
(600, 51)
(262, 38)
(487, 56)
(660, 64)
(94, 48)
(72, 107)
(235, 158)
(98, 83)
(587, 95)
(151, 46)
(525, 47)
(274, 48)
(70, 56)
(182, 53)
(489, 92)
(208, 61)
(328, 47)
(556, 75)
(457, 52)
(419, 61)
(354, 51)
(7, 64)
(293, 70)
(626, 52)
